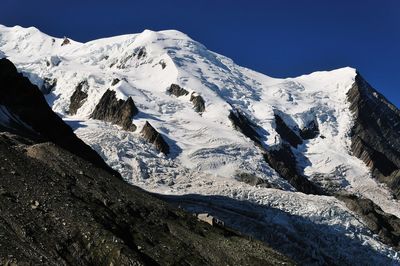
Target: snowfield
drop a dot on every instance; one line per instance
(207, 153)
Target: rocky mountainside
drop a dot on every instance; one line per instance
(375, 136)
(308, 165)
(25, 111)
(59, 206)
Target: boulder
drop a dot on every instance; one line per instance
(252, 180)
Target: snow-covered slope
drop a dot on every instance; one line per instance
(207, 155)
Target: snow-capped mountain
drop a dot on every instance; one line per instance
(274, 158)
(55, 210)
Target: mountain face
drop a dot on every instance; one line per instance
(58, 207)
(376, 133)
(309, 165)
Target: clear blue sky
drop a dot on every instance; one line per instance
(280, 38)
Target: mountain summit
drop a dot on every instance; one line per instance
(292, 162)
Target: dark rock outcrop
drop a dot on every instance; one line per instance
(155, 138)
(163, 64)
(385, 225)
(283, 161)
(48, 85)
(245, 126)
(310, 131)
(177, 90)
(198, 102)
(140, 52)
(253, 180)
(376, 133)
(115, 81)
(79, 97)
(116, 111)
(286, 132)
(65, 41)
(27, 111)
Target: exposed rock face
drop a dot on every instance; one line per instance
(244, 125)
(286, 132)
(57, 209)
(176, 90)
(140, 52)
(376, 133)
(385, 225)
(65, 41)
(27, 111)
(252, 180)
(198, 102)
(115, 82)
(152, 136)
(281, 159)
(284, 163)
(163, 64)
(116, 111)
(310, 131)
(78, 97)
(48, 85)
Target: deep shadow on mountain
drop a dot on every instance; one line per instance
(28, 114)
(305, 241)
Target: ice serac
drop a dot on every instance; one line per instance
(116, 111)
(375, 134)
(27, 111)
